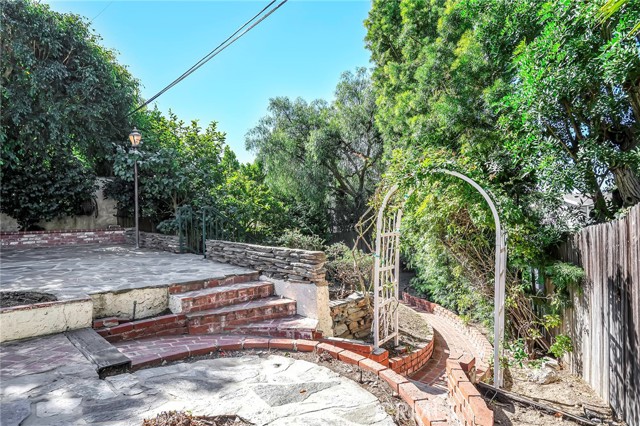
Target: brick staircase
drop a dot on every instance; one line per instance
(237, 304)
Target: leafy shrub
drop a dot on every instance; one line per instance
(293, 238)
(561, 346)
(349, 269)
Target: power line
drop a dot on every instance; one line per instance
(226, 43)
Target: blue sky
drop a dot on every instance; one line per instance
(300, 50)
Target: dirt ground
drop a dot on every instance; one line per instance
(179, 418)
(17, 298)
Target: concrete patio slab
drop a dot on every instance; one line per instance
(40, 388)
(72, 272)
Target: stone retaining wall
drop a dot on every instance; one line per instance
(56, 238)
(352, 317)
(170, 243)
(293, 265)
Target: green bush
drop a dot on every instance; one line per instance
(349, 269)
(293, 238)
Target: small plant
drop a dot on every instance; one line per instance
(518, 352)
(293, 238)
(562, 345)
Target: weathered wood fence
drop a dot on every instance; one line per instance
(604, 322)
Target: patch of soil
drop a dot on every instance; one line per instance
(180, 418)
(18, 298)
(570, 393)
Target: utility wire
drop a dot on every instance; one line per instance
(215, 51)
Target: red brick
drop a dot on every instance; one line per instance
(457, 376)
(303, 345)
(411, 394)
(178, 354)
(330, 349)
(370, 365)
(467, 390)
(380, 356)
(393, 379)
(483, 416)
(103, 333)
(429, 414)
(145, 361)
(230, 343)
(350, 357)
(285, 344)
(202, 349)
(122, 328)
(467, 362)
(357, 347)
(256, 343)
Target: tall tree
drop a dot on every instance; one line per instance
(64, 100)
(325, 154)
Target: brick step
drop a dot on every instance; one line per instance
(217, 297)
(293, 327)
(212, 282)
(164, 325)
(215, 320)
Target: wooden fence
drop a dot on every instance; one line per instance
(604, 322)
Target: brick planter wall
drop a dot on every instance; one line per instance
(352, 317)
(468, 404)
(414, 361)
(57, 238)
(480, 343)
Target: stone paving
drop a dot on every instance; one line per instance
(45, 381)
(75, 271)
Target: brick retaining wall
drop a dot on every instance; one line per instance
(468, 404)
(413, 361)
(28, 239)
(479, 341)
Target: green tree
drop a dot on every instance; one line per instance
(436, 89)
(325, 155)
(178, 164)
(573, 105)
(64, 100)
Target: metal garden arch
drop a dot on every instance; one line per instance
(387, 273)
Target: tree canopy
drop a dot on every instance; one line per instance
(65, 99)
(326, 155)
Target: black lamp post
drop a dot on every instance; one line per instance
(134, 137)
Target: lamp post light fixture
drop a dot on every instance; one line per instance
(135, 137)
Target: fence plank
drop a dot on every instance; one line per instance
(604, 322)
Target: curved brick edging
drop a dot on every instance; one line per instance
(172, 349)
(483, 349)
(469, 406)
(23, 239)
(414, 361)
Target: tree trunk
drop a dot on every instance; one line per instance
(628, 184)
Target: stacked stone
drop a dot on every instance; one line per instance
(170, 243)
(293, 265)
(352, 317)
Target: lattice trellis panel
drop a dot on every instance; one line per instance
(387, 271)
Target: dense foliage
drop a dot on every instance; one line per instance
(184, 164)
(64, 100)
(324, 155)
(530, 99)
